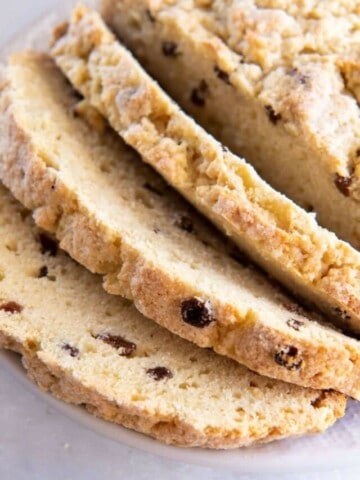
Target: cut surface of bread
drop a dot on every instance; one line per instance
(118, 218)
(87, 347)
(280, 236)
(277, 81)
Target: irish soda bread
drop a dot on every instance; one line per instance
(88, 347)
(276, 80)
(280, 236)
(116, 217)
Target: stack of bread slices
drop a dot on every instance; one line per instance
(227, 315)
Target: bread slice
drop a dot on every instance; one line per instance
(90, 348)
(281, 237)
(277, 82)
(118, 218)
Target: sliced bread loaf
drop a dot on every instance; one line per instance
(118, 218)
(281, 237)
(276, 81)
(90, 348)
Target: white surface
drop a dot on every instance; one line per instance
(337, 447)
(39, 442)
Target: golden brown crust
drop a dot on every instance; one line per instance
(329, 359)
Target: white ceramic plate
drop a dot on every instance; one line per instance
(336, 448)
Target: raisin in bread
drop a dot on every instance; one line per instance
(90, 348)
(118, 218)
(276, 81)
(280, 236)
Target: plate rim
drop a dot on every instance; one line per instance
(241, 460)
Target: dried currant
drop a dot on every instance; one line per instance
(198, 94)
(295, 324)
(197, 312)
(224, 76)
(73, 351)
(43, 271)
(159, 373)
(288, 356)
(272, 115)
(185, 223)
(11, 307)
(170, 49)
(300, 77)
(125, 347)
(343, 184)
(48, 245)
(77, 95)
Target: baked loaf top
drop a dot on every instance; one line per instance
(118, 218)
(282, 237)
(289, 44)
(277, 81)
(88, 347)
